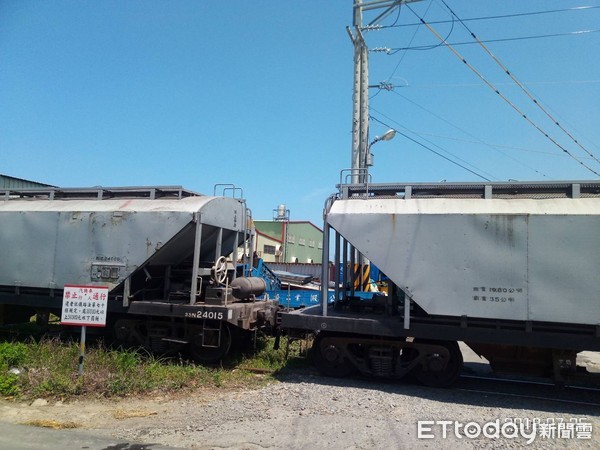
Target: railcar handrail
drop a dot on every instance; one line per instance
(228, 187)
(349, 174)
(510, 189)
(98, 193)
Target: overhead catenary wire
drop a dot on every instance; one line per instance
(511, 104)
(388, 86)
(430, 149)
(518, 83)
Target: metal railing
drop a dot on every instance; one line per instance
(98, 193)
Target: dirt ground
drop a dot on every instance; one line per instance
(362, 414)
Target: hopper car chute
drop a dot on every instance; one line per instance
(509, 268)
(162, 251)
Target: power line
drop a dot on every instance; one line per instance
(390, 87)
(454, 85)
(398, 15)
(503, 16)
(435, 145)
(437, 116)
(475, 141)
(430, 149)
(511, 104)
(391, 51)
(409, 43)
(521, 86)
(574, 128)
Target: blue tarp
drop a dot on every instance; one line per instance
(302, 298)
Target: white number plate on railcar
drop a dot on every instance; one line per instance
(210, 313)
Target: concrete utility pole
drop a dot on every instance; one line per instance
(360, 114)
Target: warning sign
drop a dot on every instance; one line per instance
(84, 305)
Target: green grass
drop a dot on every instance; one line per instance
(49, 369)
(267, 359)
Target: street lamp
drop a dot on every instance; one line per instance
(387, 136)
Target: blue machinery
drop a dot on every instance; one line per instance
(291, 298)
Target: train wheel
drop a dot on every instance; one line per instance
(212, 344)
(432, 371)
(328, 357)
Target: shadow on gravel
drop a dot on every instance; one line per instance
(479, 392)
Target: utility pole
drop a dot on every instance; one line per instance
(360, 113)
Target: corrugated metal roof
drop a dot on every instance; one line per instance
(8, 182)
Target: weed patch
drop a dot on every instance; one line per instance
(48, 369)
(52, 424)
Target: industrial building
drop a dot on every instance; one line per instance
(286, 241)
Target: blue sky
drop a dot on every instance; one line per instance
(259, 94)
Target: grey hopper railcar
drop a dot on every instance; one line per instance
(509, 268)
(160, 250)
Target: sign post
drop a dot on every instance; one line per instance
(84, 306)
(81, 351)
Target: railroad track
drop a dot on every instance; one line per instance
(532, 389)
